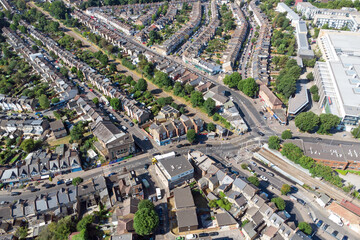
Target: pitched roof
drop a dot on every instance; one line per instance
(272, 98)
(187, 217)
(183, 198)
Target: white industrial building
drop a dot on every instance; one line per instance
(338, 77)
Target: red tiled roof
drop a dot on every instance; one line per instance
(351, 207)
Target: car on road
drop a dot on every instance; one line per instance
(47, 185)
(15, 193)
(60, 182)
(213, 234)
(187, 145)
(261, 113)
(126, 120)
(131, 124)
(302, 202)
(319, 139)
(191, 236)
(262, 169)
(68, 181)
(146, 166)
(264, 178)
(335, 233)
(203, 235)
(34, 190)
(319, 223)
(294, 189)
(208, 145)
(271, 174)
(179, 145)
(260, 133)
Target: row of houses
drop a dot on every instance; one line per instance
(237, 39)
(25, 126)
(21, 104)
(174, 70)
(132, 107)
(247, 201)
(65, 89)
(40, 210)
(262, 47)
(175, 129)
(176, 39)
(41, 164)
(103, 16)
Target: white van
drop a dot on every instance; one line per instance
(191, 236)
(158, 193)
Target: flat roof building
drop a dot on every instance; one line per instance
(173, 170)
(338, 78)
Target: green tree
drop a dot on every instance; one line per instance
(191, 135)
(210, 127)
(196, 99)
(328, 121)
(141, 85)
(279, 202)
(286, 134)
(291, 151)
(310, 76)
(95, 100)
(55, 100)
(249, 87)
(232, 80)
(314, 89)
(146, 204)
(112, 67)
(28, 145)
(145, 221)
(76, 181)
(356, 132)
(209, 106)
(274, 142)
(77, 132)
(84, 223)
(254, 180)
(212, 204)
(21, 232)
(285, 189)
(44, 101)
(162, 79)
(305, 228)
(306, 121)
(115, 103)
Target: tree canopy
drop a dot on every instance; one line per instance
(146, 204)
(328, 121)
(77, 132)
(285, 189)
(286, 134)
(162, 79)
(254, 180)
(274, 142)
(44, 101)
(28, 145)
(248, 86)
(232, 80)
(279, 202)
(141, 85)
(196, 99)
(115, 103)
(306, 121)
(145, 221)
(191, 135)
(76, 181)
(305, 228)
(209, 106)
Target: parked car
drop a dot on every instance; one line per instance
(271, 174)
(254, 164)
(179, 145)
(260, 133)
(191, 236)
(319, 223)
(335, 233)
(146, 166)
(203, 234)
(131, 124)
(302, 202)
(208, 145)
(60, 182)
(213, 234)
(15, 193)
(34, 190)
(262, 169)
(325, 226)
(264, 178)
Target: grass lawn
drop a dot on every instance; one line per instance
(64, 140)
(344, 172)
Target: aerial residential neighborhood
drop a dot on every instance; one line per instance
(180, 119)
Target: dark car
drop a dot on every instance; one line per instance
(146, 166)
(15, 193)
(294, 189)
(208, 145)
(261, 134)
(271, 174)
(262, 169)
(213, 234)
(47, 185)
(261, 113)
(325, 226)
(34, 190)
(345, 238)
(187, 145)
(203, 234)
(319, 223)
(335, 233)
(302, 202)
(179, 146)
(126, 120)
(131, 124)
